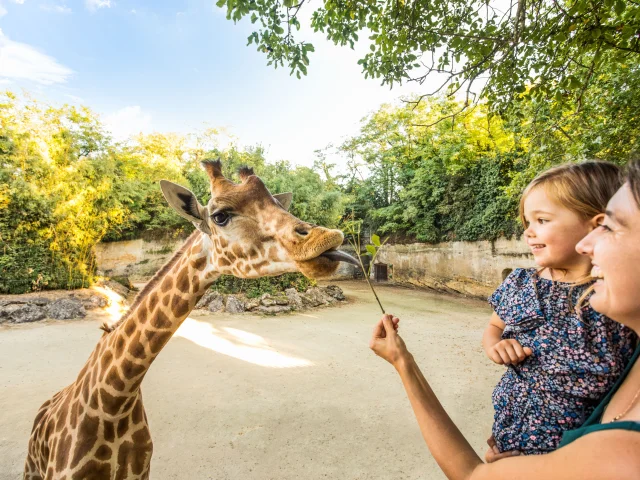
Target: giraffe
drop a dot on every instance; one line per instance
(96, 428)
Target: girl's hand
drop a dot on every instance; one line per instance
(493, 454)
(386, 342)
(508, 352)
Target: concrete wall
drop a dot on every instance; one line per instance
(140, 259)
(470, 268)
(136, 259)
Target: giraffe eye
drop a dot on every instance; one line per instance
(221, 218)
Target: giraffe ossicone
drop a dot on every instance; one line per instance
(97, 427)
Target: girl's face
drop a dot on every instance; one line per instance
(614, 249)
(553, 231)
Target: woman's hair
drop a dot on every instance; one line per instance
(584, 188)
(633, 179)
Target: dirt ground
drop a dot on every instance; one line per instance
(291, 397)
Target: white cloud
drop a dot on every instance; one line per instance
(22, 61)
(20, 2)
(3, 11)
(133, 11)
(127, 122)
(56, 8)
(95, 4)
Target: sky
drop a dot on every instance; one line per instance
(181, 66)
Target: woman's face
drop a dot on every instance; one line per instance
(614, 249)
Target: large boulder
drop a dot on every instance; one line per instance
(66, 309)
(234, 304)
(252, 303)
(206, 299)
(116, 287)
(267, 300)
(335, 292)
(93, 300)
(314, 297)
(21, 313)
(216, 304)
(274, 310)
(294, 298)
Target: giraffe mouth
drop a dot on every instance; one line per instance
(338, 256)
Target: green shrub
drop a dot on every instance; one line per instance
(257, 287)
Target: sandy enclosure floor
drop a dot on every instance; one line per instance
(292, 397)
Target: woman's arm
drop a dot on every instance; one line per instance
(598, 456)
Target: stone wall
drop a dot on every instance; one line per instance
(470, 268)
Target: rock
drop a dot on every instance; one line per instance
(274, 310)
(66, 309)
(216, 304)
(316, 297)
(206, 299)
(93, 300)
(309, 300)
(22, 313)
(326, 298)
(281, 300)
(116, 287)
(39, 301)
(294, 298)
(234, 304)
(125, 282)
(267, 300)
(335, 292)
(252, 304)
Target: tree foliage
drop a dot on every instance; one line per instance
(461, 178)
(501, 51)
(65, 186)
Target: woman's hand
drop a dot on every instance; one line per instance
(386, 342)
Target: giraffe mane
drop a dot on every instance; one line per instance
(151, 283)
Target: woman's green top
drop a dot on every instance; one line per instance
(593, 423)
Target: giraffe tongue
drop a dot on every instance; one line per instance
(338, 256)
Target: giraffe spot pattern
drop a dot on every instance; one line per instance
(160, 320)
(87, 436)
(179, 306)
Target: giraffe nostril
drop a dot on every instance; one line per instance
(302, 231)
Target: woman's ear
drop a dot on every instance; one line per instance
(596, 221)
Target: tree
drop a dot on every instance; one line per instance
(541, 49)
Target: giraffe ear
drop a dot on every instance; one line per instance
(186, 204)
(284, 199)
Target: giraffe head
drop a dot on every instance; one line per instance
(252, 233)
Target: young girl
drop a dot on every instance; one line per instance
(561, 359)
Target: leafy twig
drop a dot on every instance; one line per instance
(352, 229)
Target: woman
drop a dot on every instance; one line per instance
(607, 446)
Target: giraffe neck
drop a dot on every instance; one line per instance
(156, 314)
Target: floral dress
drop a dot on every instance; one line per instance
(576, 360)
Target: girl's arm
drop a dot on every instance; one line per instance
(493, 333)
(502, 352)
(598, 456)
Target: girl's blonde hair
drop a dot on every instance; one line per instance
(585, 189)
